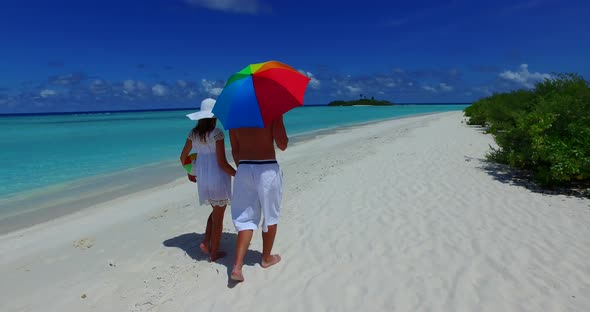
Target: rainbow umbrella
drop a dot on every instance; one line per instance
(258, 94)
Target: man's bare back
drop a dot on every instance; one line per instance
(258, 143)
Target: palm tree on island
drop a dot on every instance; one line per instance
(362, 101)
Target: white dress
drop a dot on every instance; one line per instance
(213, 184)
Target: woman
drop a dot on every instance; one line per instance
(212, 171)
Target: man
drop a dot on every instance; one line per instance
(257, 189)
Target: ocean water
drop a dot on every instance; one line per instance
(39, 151)
(52, 154)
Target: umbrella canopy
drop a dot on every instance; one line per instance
(258, 94)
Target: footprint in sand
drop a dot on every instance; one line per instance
(158, 216)
(84, 243)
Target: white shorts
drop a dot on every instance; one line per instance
(258, 190)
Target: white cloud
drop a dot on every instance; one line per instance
(215, 91)
(210, 87)
(314, 83)
(234, 6)
(67, 79)
(429, 89)
(207, 85)
(485, 90)
(445, 87)
(353, 90)
(441, 87)
(140, 85)
(383, 81)
(524, 77)
(7, 102)
(129, 85)
(47, 93)
(159, 90)
(182, 83)
(99, 86)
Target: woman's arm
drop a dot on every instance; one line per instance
(185, 151)
(184, 154)
(221, 159)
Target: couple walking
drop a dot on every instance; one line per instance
(257, 189)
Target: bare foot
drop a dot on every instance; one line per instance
(204, 248)
(272, 260)
(236, 275)
(220, 254)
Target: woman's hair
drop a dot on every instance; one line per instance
(203, 127)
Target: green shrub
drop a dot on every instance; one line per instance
(545, 130)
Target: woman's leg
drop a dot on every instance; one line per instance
(216, 230)
(206, 243)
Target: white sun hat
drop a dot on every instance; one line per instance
(205, 112)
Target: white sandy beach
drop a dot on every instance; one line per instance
(402, 215)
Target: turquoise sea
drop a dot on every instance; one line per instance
(44, 154)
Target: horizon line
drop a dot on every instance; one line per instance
(182, 108)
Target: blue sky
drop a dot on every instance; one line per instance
(109, 55)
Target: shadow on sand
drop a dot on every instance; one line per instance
(508, 175)
(189, 242)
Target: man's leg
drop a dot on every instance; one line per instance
(244, 238)
(268, 239)
(270, 197)
(246, 212)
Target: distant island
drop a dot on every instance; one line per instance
(361, 101)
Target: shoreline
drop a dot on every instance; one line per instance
(76, 170)
(444, 233)
(55, 201)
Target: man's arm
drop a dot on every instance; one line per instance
(235, 146)
(280, 134)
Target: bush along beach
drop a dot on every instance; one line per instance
(545, 131)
